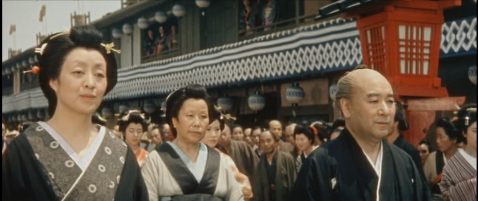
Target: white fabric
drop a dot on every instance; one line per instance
(84, 161)
(196, 169)
(469, 158)
(377, 167)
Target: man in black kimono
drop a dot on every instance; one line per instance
(359, 164)
(400, 124)
(275, 126)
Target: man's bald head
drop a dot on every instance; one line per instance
(276, 127)
(289, 133)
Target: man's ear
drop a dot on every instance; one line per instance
(345, 107)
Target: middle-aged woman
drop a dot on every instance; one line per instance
(424, 149)
(304, 140)
(447, 137)
(459, 174)
(213, 131)
(68, 157)
(186, 169)
(132, 126)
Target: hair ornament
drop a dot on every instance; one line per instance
(229, 117)
(39, 50)
(109, 48)
(314, 130)
(126, 117)
(34, 70)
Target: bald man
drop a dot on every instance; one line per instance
(289, 137)
(360, 164)
(275, 126)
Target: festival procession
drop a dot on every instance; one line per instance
(239, 100)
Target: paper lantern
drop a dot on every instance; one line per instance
(256, 101)
(123, 108)
(31, 115)
(117, 33)
(149, 107)
(203, 3)
(127, 29)
(294, 94)
(178, 10)
(160, 16)
(225, 102)
(472, 74)
(333, 91)
(143, 23)
(40, 114)
(107, 112)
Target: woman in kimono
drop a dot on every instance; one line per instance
(459, 174)
(68, 157)
(304, 140)
(186, 169)
(132, 126)
(211, 139)
(447, 137)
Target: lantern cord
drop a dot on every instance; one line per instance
(293, 112)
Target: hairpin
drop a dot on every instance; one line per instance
(109, 47)
(34, 70)
(40, 50)
(314, 130)
(228, 116)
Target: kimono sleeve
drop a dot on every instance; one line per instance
(316, 177)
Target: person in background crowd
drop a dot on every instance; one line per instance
(395, 137)
(256, 133)
(248, 136)
(459, 174)
(290, 138)
(322, 132)
(4, 144)
(337, 126)
(424, 149)
(147, 138)
(304, 137)
(275, 126)
(239, 151)
(68, 157)
(276, 173)
(117, 132)
(186, 169)
(360, 165)
(157, 139)
(237, 132)
(446, 138)
(133, 125)
(165, 132)
(213, 132)
(149, 43)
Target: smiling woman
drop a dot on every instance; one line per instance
(70, 157)
(186, 169)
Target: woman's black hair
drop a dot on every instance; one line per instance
(131, 117)
(255, 128)
(427, 143)
(56, 47)
(338, 123)
(233, 126)
(450, 129)
(176, 99)
(466, 116)
(305, 130)
(217, 115)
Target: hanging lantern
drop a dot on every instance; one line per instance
(117, 33)
(143, 23)
(18, 66)
(25, 63)
(106, 112)
(178, 10)
(19, 117)
(123, 108)
(24, 117)
(127, 29)
(40, 114)
(149, 107)
(203, 4)
(256, 101)
(225, 102)
(294, 94)
(472, 74)
(31, 60)
(31, 115)
(333, 91)
(160, 16)
(13, 118)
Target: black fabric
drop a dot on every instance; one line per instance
(196, 197)
(403, 144)
(271, 170)
(23, 178)
(184, 177)
(343, 162)
(440, 163)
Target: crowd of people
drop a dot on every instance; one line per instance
(197, 155)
